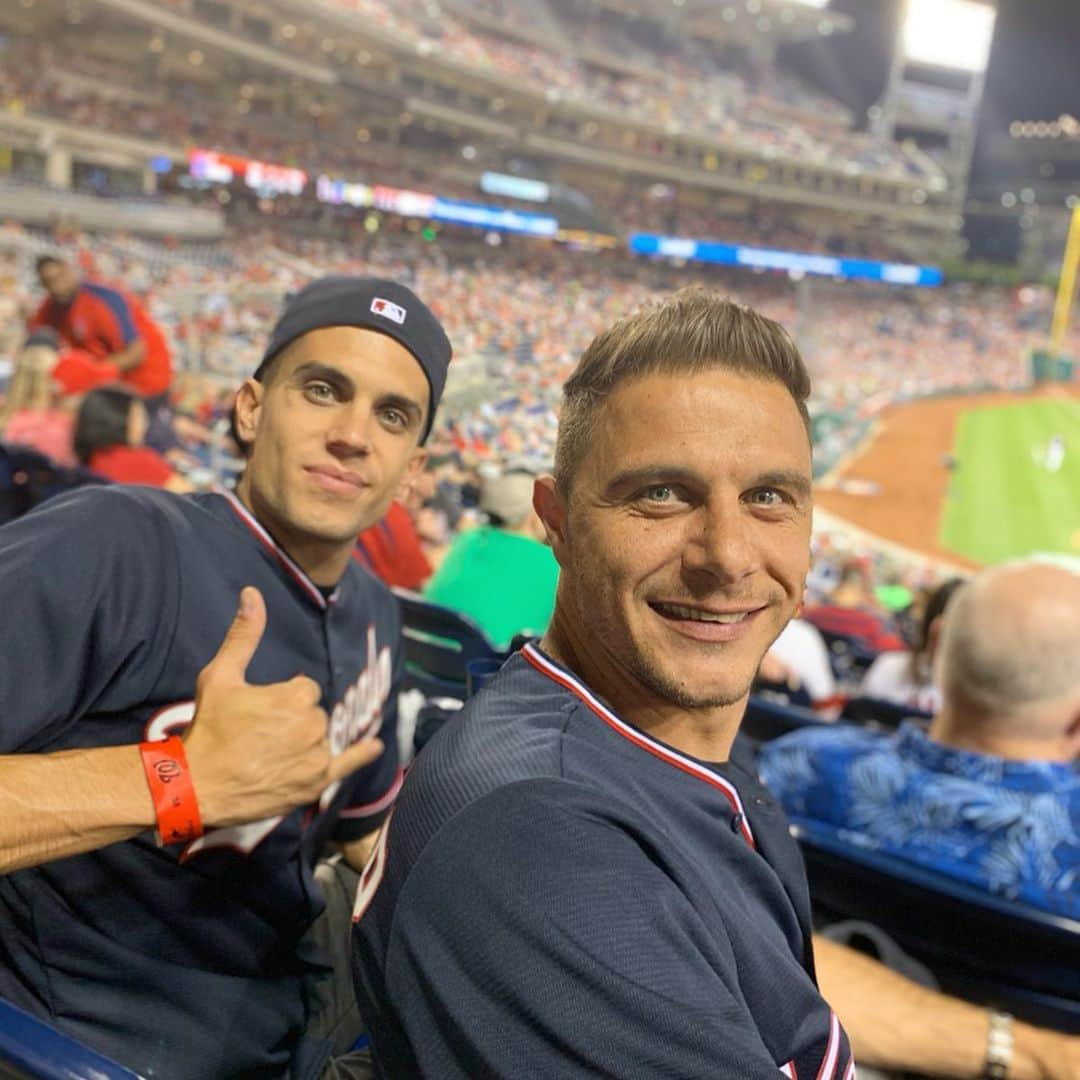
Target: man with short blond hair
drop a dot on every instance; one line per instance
(578, 880)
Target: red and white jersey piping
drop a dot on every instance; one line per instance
(685, 764)
(270, 544)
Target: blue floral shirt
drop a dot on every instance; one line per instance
(1008, 826)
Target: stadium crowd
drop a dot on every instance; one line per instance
(661, 88)
(936, 717)
(524, 311)
(520, 315)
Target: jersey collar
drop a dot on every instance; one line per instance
(306, 585)
(569, 681)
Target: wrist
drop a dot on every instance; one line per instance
(999, 1047)
(169, 778)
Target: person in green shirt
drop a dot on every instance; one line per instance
(501, 575)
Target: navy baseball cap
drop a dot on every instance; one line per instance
(373, 304)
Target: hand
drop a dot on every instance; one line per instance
(1040, 1054)
(259, 751)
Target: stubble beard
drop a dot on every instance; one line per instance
(643, 664)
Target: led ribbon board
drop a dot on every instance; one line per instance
(711, 251)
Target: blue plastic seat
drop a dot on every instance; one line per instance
(765, 719)
(981, 946)
(31, 1049)
(874, 712)
(439, 644)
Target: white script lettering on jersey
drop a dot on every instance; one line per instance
(358, 715)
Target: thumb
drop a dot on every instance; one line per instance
(241, 639)
(354, 757)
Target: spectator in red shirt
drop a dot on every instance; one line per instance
(392, 551)
(853, 611)
(109, 434)
(108, 324)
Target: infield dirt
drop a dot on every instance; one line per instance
(905, 455)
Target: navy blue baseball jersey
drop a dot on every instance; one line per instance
(558, 894)
(188, 960)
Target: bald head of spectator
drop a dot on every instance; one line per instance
(1009, 664)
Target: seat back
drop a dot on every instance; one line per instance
(28, 477)
(31, 1049)
(874, 712)
(980, 946)
(849, 656)
(439, 644)
(766, 719)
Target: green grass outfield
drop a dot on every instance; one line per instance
(1003, 500)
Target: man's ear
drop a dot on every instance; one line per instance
(551, 509)
(413, 471)
(246, 410)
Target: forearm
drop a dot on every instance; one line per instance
(56, 805)
(357, 852)
(130, 356)
(894, 1023)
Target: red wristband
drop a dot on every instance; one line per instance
(170, 783)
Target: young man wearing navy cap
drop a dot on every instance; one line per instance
(197, 694)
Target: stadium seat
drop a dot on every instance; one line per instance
(980, 946)
(781, 693)
(28, 477)
(885, 714)
(439, 644)
(848, 656)
(765, 720)
(31, 1049)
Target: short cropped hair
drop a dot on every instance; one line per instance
(102, 420)
(47, 260)
(1005, 649)
(692, 331)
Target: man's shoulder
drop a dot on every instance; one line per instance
(110, 506)
(105, 293)
(512, 730)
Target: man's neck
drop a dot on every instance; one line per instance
(324, 562)
(705, 733)
(978, 735)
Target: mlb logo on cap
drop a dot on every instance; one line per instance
(388, 309)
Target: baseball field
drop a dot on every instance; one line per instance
(1017, 485)
(1013, 486)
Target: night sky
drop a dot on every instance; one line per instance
(1034, 71)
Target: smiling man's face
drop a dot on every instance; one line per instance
(333, 435)
(684, 542)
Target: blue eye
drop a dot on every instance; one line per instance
(319, 391)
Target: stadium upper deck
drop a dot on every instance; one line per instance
(629, 100)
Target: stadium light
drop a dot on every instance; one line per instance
(949, 33)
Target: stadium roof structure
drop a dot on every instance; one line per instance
(781, 22)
